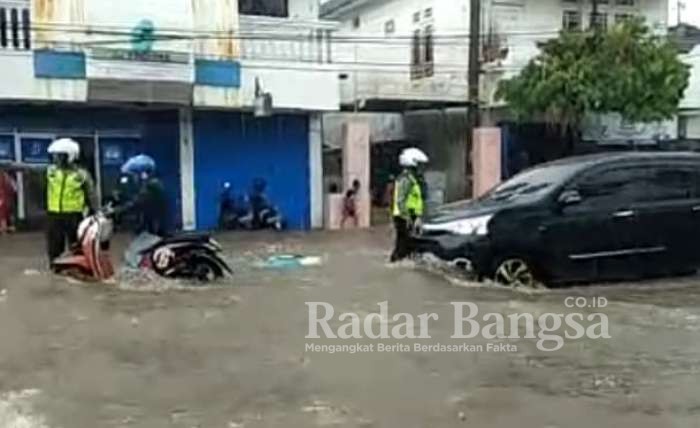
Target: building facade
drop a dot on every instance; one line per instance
(416, 51)
(176, 79)
(411, 56)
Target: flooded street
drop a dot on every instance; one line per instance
(235, 355)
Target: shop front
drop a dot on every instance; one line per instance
(107, 137)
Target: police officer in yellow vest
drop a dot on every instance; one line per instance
(70, 193)
(408, 201)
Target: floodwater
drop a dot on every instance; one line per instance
(149, 353)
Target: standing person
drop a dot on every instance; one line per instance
(408, 202)
(150, 201)
(350, 204)
(70, 192)
(8, 191)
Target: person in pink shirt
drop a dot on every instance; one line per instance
(8, 192)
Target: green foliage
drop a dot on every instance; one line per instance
(625, 70)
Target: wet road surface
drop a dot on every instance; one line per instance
(143, 354)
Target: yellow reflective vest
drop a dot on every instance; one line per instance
(408, 197)
(66, 190)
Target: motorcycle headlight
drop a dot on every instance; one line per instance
(470, 226)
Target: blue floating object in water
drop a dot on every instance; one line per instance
(290, 261)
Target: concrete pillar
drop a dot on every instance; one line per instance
(486, 159)
(316, 170)
(356, 166)
(189, 209)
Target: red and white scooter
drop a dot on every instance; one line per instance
(89, 260)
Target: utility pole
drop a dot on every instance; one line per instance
(594, 16)
(474, 76)
(680, 9)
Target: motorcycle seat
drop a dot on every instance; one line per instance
(187, 237)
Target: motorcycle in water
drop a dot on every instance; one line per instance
(270, 218)
(89, 259)
(188, 256)
(183, 256)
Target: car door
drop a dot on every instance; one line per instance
(594, 237)
(669, 214)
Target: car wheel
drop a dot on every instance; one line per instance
(515, 272)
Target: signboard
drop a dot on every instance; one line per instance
(127, 70)
(140, 56)
(35, 150)
(155, 51)
(7, 148)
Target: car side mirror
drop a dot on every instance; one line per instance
(570, 197)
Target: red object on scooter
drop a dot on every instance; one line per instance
(90, 259)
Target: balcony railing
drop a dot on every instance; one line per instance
(15, 25)
(286, 40)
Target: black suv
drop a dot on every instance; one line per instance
(609, 216)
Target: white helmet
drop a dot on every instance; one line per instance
(65, 146)
(412, 157)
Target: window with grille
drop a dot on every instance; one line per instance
(389, 27)
(621, 18)
(274, 8)
(15, 28)
(428, 54)
(571, 20)
(416, 56)
(599, 21)
(423, 53)
(356, 22)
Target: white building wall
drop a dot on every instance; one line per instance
(518, 24)
(18, 82)
(291, 58)
(691, 101)
(379, 63)
(303, 9)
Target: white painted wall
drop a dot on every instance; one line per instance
(291, 59)
(18, 82)
(521, 24)
(292, 64)
(316, 170)
(293, 87)
(379, 66)
(691, 101)
(303, 9)
(189, 208)
(692, 120)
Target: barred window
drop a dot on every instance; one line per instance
(274, 8)
(15, 28)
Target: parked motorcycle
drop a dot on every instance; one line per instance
(89, 259)
(187, 256)
(251, 212)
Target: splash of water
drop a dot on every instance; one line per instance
(16, 410)
(142, 280)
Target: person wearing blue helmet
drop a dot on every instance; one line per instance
(150, 200)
